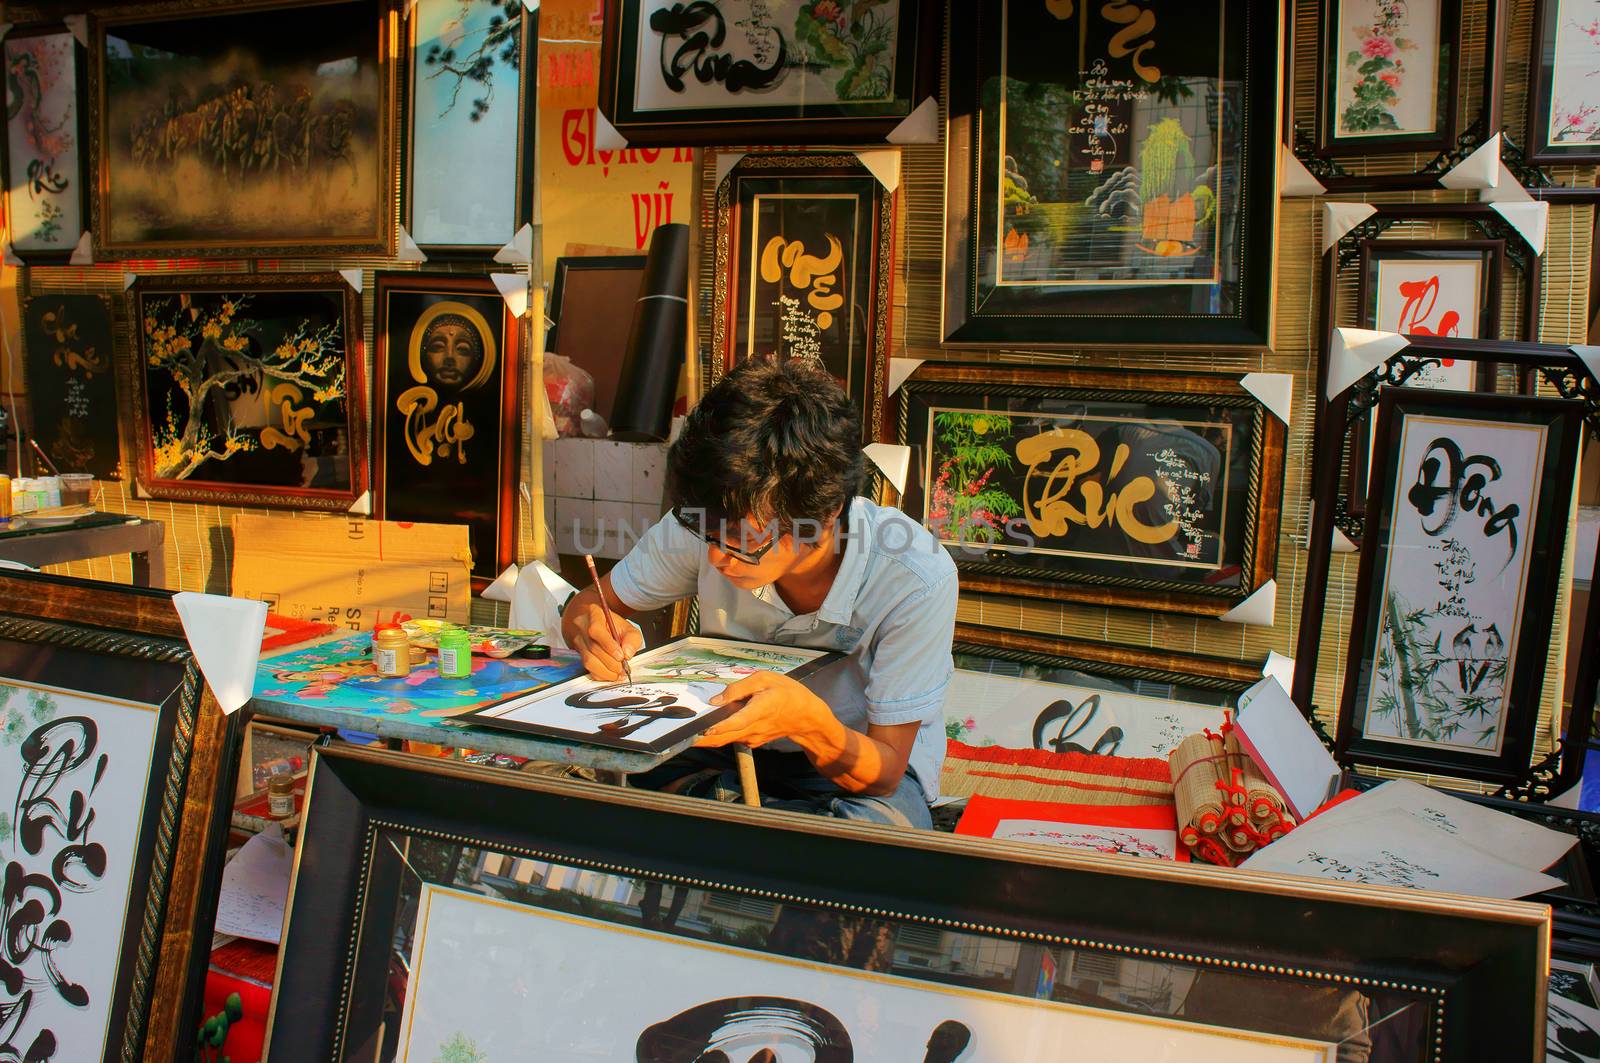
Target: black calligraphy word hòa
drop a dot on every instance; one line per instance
(626, 706)
(754, 1029)
(1439, 502)
(31, 902)
(701, 28)
(1081, 715)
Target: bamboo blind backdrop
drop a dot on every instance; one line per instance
(199, 540)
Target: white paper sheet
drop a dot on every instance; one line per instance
(255, 886)
(1284, 747)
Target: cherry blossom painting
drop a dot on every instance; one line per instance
(1565, 96)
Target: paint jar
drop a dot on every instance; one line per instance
(5, 497)
(280, 797)
(391, 652)
(455, 654)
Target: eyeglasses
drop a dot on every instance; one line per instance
(697, 528)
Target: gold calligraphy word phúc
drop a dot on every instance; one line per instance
(1048, 512)
(65, 333)
(447, 332)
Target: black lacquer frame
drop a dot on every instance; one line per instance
(1565, 371)
(179, 851)
(1475, 968)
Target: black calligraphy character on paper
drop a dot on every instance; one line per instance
(31, 901)
(625, 707)
(702, 29)
(759, 1029)
(1078, 717)
(1568, 1038)
(1461, 491)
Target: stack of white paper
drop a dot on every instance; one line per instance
(1403, 834)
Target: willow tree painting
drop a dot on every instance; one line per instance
(251, 389)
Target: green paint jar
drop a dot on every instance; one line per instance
(455, 654)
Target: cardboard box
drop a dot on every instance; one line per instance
(352, 571)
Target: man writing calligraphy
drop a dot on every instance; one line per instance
(767, 529)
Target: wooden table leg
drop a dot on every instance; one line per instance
(150, 566)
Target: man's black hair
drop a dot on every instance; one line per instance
(776, 439)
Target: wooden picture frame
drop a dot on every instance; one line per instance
(1564, 371)
(1201, 436)
(1454, 982)
(69, 366)
(1049, 240)
(1518, 258)
(48, 160)
(448, 379)
(807, 291)
(1405, 706)
(590, 293)
(1379, 55)
(252, 186)
(482, 121)
(726, 71)
(1048, 692)
(1483, 323)
(1559, 47)
(160, 780)
(1376, 63)
(298, 411)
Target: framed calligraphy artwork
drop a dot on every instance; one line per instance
(111, 750)
(1563, 99)
(1019, 690)
(1142, 488)
(766, 71)
(804, 267)
(777, 940)
(71, 375)
(250, 389)
(469, 158)
(1445, 288)
(46, 201)
(1123, 195)
(229, 129)
(587, 322)
(448, 360)
(1451, 629)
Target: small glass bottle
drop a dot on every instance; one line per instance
(280, 796)
(391, 652)
(455, 654)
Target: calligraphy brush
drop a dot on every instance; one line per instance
(37, 449)
(611, 623)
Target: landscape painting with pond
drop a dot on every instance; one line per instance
(266, 128)
(1109, 161)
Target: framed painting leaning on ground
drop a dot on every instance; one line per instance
(804, 269)
(625, 925)
(1468, 520)
(244, 129)
(46, 195)
(1563, 97)
(1119, 487)
(1111, 174)
(249, 388)
(472, 117)
(116, 813)
(766, 71)
(448, 355)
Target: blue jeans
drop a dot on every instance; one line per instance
(788, 781)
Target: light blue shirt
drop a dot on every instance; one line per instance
(891, 611)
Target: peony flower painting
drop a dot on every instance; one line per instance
(1387, 57)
